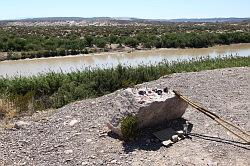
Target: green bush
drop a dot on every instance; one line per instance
(58, 89)
(129, 128)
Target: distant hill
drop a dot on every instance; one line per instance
(99, 21)
(211, 20)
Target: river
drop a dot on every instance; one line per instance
(28, 67)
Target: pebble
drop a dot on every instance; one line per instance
(73, 122)
(69, 151)
(92, 157)
(175, 138)
(180, 133)
(167, 143)
(88, 140)
(85, 163)
(113, 161)
(20, 124)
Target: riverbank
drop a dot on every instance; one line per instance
(48, 138)
(67, 64)
(54, 90)
(132, 51)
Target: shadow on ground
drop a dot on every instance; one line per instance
(220, 140)
(147, 141)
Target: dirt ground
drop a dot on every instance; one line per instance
(77, 135)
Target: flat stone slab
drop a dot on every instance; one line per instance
(165, 134)
(150, 106)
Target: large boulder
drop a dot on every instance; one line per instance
(150, 107)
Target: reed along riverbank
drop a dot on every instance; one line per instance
(54, 90)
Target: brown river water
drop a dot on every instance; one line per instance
(28, 67)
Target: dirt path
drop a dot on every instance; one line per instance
(73, 135)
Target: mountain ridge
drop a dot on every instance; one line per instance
(82, 21)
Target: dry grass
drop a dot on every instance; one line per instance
(7, 111)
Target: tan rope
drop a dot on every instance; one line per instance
(216, 118)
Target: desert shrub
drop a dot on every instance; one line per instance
(7, 109)
(129, 127)
(58, 89)
(22, 103)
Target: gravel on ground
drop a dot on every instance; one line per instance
(77, 134)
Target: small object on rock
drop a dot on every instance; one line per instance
(154, 90)
(73, 122)
(142, 92)
(165, 90)
(175, 138)
(167, 143)
(159, 92)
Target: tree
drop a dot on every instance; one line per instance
(131, 42)
(100, 42)
(89, 41)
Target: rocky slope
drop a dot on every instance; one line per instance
(76, 134)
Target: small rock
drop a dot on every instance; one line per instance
(88, 140)
(73, 122)
(23, 163)
(167, 143)
(134, 152)
(113, 161)
(175, 138)
(85, 163)
(69, 151)
(92, 157)
(20, 124)
(180, 133)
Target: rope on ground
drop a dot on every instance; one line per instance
(240, 134)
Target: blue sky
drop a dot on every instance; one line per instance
(155, 9)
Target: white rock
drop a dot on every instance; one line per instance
(150, 107)
(175, 138)
(73, 122)
(92, 157)
(180, 133)
(113, 161)
(69, 151)
(21, 124)
(88, 140)
(85, 163)
(167, 143)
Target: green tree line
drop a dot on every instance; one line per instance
(33, 42)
